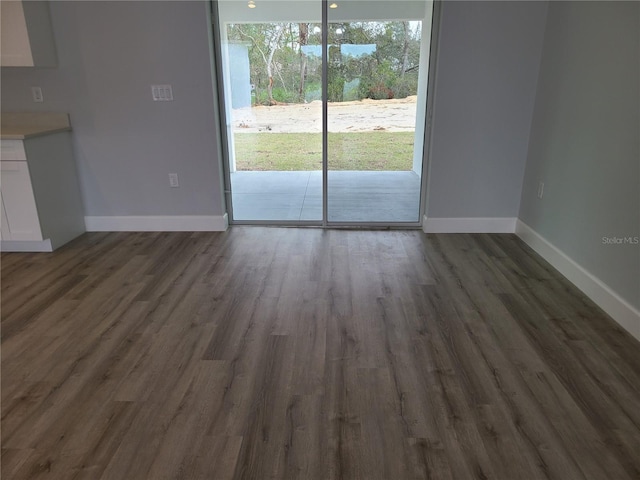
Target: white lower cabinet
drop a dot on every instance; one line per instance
(41, 202)
(4, 224)
(20, 215)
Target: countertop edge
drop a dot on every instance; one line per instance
(26, 125)
(28, 135)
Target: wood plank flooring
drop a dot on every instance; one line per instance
(270, 353)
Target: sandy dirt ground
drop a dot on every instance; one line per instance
(395, 115)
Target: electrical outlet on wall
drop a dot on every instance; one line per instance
(540, 189)
(173, 180)
(36, 93)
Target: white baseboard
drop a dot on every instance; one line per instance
(616, 307)
(469, 225)
(26, 246)
(158, 223)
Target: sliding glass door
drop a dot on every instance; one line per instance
(375, 146)
(324, 126)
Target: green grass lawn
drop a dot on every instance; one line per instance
(303, 151)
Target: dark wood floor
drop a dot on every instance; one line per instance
(265, 353)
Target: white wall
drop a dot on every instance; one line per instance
(488, 61)
(125, 144)
(584, 141)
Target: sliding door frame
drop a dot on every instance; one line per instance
(218, 94)
(218, 84)
(325, 112)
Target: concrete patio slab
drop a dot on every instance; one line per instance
(353, 196)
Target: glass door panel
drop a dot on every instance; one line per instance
(376, 57)
(272, 76)
(365, 143)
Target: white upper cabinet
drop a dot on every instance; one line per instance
(26, 34)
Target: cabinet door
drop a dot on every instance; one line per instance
(12, 150)
(19, 203)
(16, 48)
(26, 34)
(4, 225)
